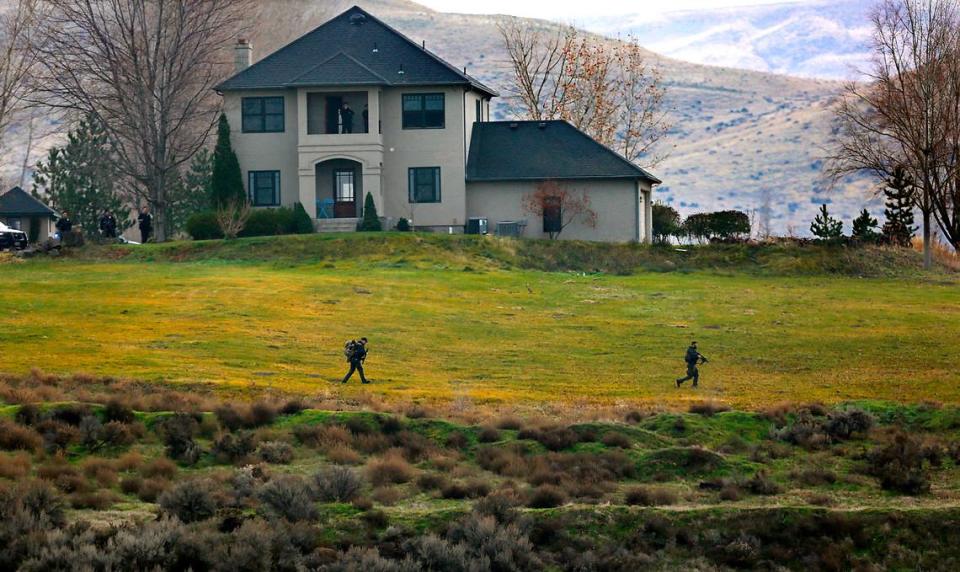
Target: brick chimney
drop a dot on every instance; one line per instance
(243, 54)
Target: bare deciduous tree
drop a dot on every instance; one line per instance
(17, 27)
(559, 206)
(232, 217)
(145, 69)
(607, 89)
(907, 116)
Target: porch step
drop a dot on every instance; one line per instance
(336, 224)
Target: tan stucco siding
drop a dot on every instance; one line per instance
(615, 202)
(267, 151)
(406, 148)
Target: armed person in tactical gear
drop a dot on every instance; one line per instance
(693, 359)
(355, 352)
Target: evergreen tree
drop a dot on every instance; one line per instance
(898, 229)
(301, 220)
(191, 193)
(370, 222)
(666, 223)
(865, 227)
(227, 183)
(80, 178)
(825, 227)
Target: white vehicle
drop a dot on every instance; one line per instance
(11, 238)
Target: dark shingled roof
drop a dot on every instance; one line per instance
(535, 150)
(17, 202)
(355, 48)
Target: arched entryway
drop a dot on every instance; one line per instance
(339, 189)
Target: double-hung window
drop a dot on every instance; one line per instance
(264, 188)
(424, 185)
(423, 111)
(262, 114)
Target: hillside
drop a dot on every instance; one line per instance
(600, 326)
(741, 139)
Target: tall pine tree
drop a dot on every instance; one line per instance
(226, 185)
(826, 227)
(80, 178)
(370, 221)
(898, 229)
(192, 192)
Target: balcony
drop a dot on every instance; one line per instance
(338, 113)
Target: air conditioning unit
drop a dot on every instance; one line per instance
(476, 225)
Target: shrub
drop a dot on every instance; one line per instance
(230, 417)
(343, 455)
(634, 416)
(151, 489)
(89, 430)
(57, 435)
(204, 226)
(488, 435)
(301, 223)
(337, 484)
(708, 408)
(14, 466)
(115, 410)
(293, 406)
(389, 469)
(117, 434)
(41, 503)
(553, 438)
(899, 465)
(159, 468)
(190, 501)
(17, 438)
(389, 425)
(616, 439)
(70, 414)
(269, 222)
(276, 452)
(100, 470)
(28, 414)
(730, 492)
(815, 476)
(761, 484)
(178, 432)
(289, 498)
(387, 496)
(431, 481)
(457, 440)
(359, 426)
(234, 447)
(510, 422)
(370, 221)
(131, 485)
(546, 496)
(403, 225)
(94, 500)
(842, 425)
(650, 496)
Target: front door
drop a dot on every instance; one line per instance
(344, 193)
(334, 103)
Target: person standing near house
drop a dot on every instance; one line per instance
(108, 224)
(346, 114)
(356, 353)
(145, 222)
(693, 359)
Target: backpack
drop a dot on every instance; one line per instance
(350, 349)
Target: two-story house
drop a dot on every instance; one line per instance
(356, 107)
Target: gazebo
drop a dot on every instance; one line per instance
(20, 210)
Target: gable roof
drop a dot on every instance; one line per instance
(540, 150)
(354, 48)
(17, 202)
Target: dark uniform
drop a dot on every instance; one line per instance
(145, 222)
(357, 353)
(347, 115)
(693, 359)
(108, 225)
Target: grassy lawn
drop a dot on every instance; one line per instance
(456, 326)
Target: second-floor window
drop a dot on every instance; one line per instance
(264, 188)
(262, 114)
(424, 185)
(423, 111)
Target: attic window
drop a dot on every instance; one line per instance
(358, 19)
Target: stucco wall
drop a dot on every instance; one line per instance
(615, 203)
(406, 148)
(267, 151)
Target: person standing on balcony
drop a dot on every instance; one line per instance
(347, 115)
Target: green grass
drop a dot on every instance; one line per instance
(454, 317)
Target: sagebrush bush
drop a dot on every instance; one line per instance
(233, 447)
(343, 455)
(389, 469)
(762, 484)
(28, 414)
(488, 434)
(289, 498)
(276, 452)
(546, 496)
(93, 500)
(160, 467)
(708, 408)
(131, 485)
(116, 410)
(190, 501)
(151, 489)
(899, 464)
(117, 434)
(616, 439)
(554, 438)
(431, 482)
(71, 414)
(337, 484)
(178, 432)
(14, 467)
(650, 496)
(14, 437)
